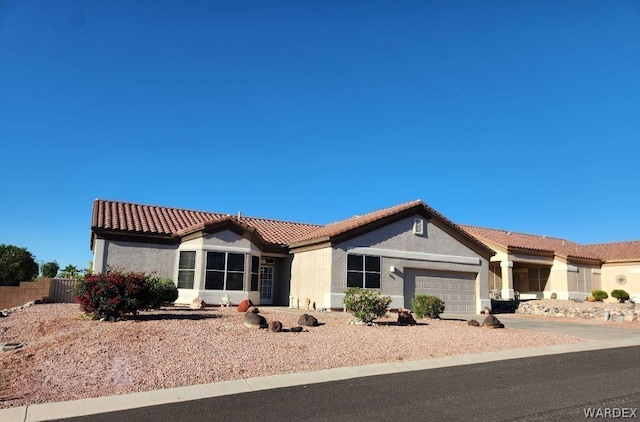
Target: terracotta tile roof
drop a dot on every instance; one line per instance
(155, 220)
(145, 219)
(532, 242)
(344, 226)
(616, 251)
(279, 232)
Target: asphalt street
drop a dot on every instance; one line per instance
(544, 388)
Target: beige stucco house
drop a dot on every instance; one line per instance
(620, 267)
(531, 266)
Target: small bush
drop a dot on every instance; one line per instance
(366, 304)
(164, 291)
(600, 295)
(619, 294)
(427, 306)
(113, 294)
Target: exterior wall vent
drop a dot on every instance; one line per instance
(418, 226)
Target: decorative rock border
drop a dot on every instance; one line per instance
(625, 313)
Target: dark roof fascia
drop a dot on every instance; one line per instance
(537, 252)
(582, 260)
(135, 237)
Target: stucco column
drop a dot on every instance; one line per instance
(506, 268)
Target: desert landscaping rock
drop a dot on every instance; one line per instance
(586, 310)
(406, 319)
(275, 326)
(492, 322)
(296, 329)
(473, 323)
(307, 320)
(244, 305)
(254, 320)
(197, 303)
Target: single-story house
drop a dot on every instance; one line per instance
(620, 266)
(402, 250)
(538, 266)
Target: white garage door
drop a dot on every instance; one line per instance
(458, 290)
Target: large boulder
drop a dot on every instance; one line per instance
(492, 322)
(244, 305)
(254, 320)
(307, 320)
(405, 318)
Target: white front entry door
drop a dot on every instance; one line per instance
(266, 285)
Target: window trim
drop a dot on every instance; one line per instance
(255, 271)
(225, 272)
(365, 271)
(189, 270)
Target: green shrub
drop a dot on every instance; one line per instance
(619, 294)
(427, 306)
(113, 294)
(366, 304)
(164, 291)
(600, 295)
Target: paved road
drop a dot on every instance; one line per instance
(545, 388)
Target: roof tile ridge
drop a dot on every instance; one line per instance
(168, 208)
(384, 212)
(611, 243)
(275, 220)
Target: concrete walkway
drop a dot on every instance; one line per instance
(598, 336)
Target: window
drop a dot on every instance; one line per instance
(186, 269)
(363, 271)
(225, 271)
(538, 278)
(255, 273)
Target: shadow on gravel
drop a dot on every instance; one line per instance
(174, 316)
(395, 324)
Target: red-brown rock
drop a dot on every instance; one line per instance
(244, 305)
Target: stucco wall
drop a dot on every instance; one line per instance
(133, 256)
(631, 270)
(441, 251)
(311, 276)
(223, 239)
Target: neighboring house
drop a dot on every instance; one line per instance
(537, 266)
(402, 250)
(621, 266)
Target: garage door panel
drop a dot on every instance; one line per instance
(457, 289)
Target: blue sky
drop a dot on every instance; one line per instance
(515, 115)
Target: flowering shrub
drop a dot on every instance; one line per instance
(427, 306)
(366, 304)
(113, 294)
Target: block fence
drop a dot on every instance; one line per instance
(12, 296)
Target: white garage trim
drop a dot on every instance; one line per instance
(415, 256)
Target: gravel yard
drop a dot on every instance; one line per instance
(69, 357)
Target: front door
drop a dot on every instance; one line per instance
(266, 285)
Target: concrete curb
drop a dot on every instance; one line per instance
(83, 407)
